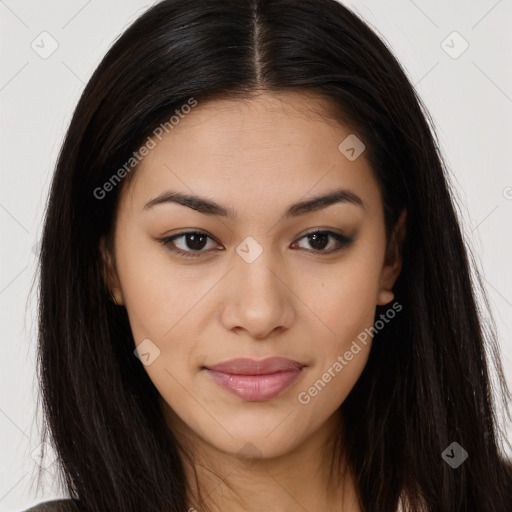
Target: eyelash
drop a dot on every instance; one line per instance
(341, 240)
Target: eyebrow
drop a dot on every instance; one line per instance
(209, 207)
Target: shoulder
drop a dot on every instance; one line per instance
(54, 506)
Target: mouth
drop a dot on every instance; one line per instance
(256, 380)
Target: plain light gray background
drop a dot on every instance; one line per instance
(469, 95)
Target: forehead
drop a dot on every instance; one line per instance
(275, 145)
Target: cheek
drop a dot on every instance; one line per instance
(342, 342)
(157, 295)
(344, 298)
(163, 303)
(345, 305)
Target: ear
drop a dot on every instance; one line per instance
(109, 273)
(392, 262)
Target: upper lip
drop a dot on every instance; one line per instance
(247, 366)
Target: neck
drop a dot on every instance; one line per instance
(313, 476)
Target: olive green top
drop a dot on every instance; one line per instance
(54, 506)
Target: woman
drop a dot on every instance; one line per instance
(255, 292)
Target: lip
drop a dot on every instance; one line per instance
(256, 380)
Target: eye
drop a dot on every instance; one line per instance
(319, 240)
(193, 240)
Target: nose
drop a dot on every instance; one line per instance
(258, 298)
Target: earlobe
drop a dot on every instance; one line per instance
(393, 261)
(385, 297)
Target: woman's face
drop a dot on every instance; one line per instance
(254, 284)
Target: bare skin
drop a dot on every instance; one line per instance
(298, 299)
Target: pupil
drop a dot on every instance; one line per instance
(194, 244)
(314, 239)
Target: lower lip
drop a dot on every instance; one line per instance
(256, 388)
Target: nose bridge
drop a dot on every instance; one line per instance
(258, 301)
(255, 271)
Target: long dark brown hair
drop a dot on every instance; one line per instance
(427, 382)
